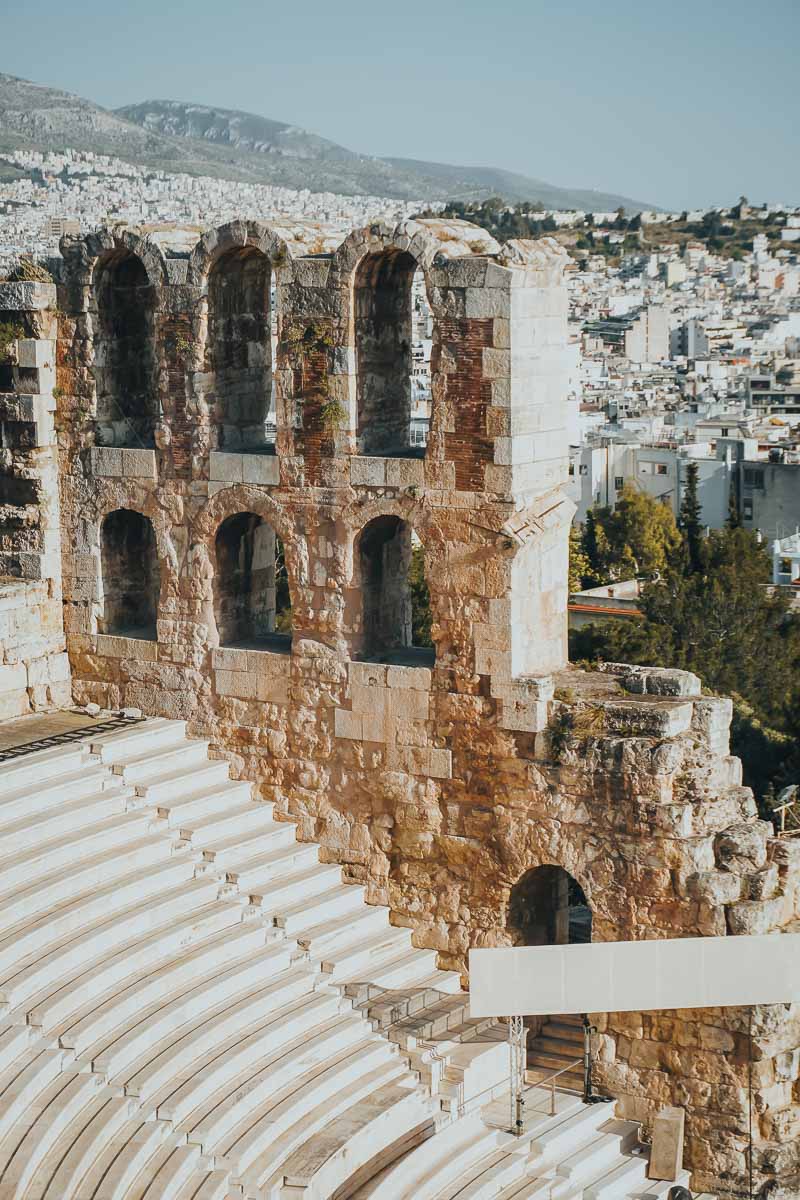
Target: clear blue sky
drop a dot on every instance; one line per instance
(680, 103)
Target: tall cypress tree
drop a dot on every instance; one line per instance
(689, 521)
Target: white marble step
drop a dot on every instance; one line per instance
(153, 762)
(165, 1174)
(27, 832)
(591, 1160)
(309, 1123)
(130, 740)
(232, 853)
(378, 948)
(374, 1130)
(653, 1189)
(169, 785)
(169, 1015)
(123, 1157)
(30, 771)
(215, 1186)
(197, 1097)
(161, 1063)
(38, 935)
(64, 850)
(558, 1136)
(425, 1169)
(103, 937)
(326, 940)
(623, 1179)
(61, 998)
(278, 864)
(339, 902)
(40, 1127)
(25, 1079)
(484, 1179)
(241, 819)
(89, 779)
(58, 1175)
(279, 1068)
(49, 891)
(182, 811)
(114, 1009)
(14, 1041)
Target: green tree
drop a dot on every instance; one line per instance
(421, 618)
(579, 565)
(638, 537)
(689, 522)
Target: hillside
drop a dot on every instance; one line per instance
(172, 136)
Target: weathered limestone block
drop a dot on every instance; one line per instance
(742, 848)
(666, 1153)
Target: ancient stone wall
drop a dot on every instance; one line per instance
(34, 670)
(440, 776)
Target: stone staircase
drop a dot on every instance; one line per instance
(556, 1048)
(192, 1007)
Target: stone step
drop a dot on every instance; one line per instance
(155, 789)
(63, 850)
(385, 963)
(653, 1189)
(212, 1123)
(200, 1002)
(163, 1061)
(115, 1008)
(277, 864)
(556, 1047)
(49, 892)
(215, 1186)
(25, 1079)
(596, 1158)
(620, 1181)
(308, 1121)
(182, 811)
(336, 903)
(248, 817)
(375, 1130)
(122, 1158)
(431, 1168)
(41, 1126)
(89, 779)
(153, 734)
(37, 936)
(166, 1173)
(60, 1172)
(60, 998)
(557, 1136)
(324, 941)
(232, 853)
(104, 936)
(155, 762)
(30, 771)
(26, 832)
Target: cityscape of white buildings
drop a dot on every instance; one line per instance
(680, 355)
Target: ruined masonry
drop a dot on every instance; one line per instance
(252, 576)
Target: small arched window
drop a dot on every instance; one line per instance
(547, 907)
(125, 357)
(395, 602)
(130, 575)
(251, 591)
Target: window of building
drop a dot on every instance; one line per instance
(583, 469)
(747, 509)
(661, 468)
(754, 478)
(725, 431)
(619, 483)
(239, 350)
(251, 590)
(130, 575)
(125, 358)
(395, 602)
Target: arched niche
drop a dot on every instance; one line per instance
(395, 602)
(391, 329)
(548, 907)
(240, 350)
(125, 366)
(251, 592)
(130, 575)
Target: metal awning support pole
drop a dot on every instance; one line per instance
(517, 1064)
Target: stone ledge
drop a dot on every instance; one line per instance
(27, 296)
(225, 466)
(374, 471)
(256, 662)
(122, 463)
(247, 685)
(649, 720)
(119, 646)
(653, 681)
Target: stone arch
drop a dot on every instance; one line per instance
(130, 578)
(252, 604)
(236, 235)
(125, 353)
(548, 907)
(391, 592)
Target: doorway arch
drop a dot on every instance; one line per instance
(548, 907)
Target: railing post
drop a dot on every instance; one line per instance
(516, 1054)
(588, 1030)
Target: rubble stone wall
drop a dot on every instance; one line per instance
(438, 781)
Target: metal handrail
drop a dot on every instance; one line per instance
(550, 1079)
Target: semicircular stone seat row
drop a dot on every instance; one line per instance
(195, 1008)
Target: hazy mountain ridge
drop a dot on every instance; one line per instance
(198, 139)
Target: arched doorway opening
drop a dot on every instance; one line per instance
(240, 350)
(130, 575)
(395, 602)
(251, 590)
(125, 358)
(548, 907)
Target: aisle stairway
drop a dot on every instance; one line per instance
(557, 1050)
(192, 1007)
